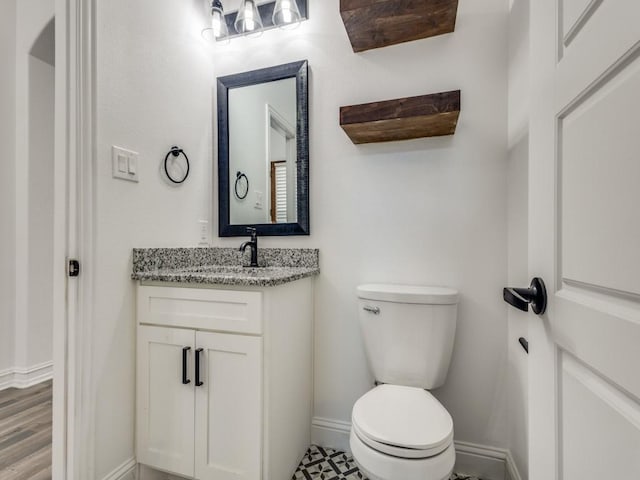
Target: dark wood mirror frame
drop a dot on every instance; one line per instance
(299, 70)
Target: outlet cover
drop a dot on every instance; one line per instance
(259, 200)
(203, 233)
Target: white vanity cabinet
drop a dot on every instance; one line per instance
(224, 380)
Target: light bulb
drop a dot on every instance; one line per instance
(249, 22)
(286, 11)
(286, 14)
(248, 19)
(218, 22)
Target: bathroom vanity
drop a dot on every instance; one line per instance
(224, 362)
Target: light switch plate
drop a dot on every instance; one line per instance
(125, 164)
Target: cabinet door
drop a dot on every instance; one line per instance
(165, 405)
(229, 407)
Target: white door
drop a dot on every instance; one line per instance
(585, 239)
(165, 410)
(228, 407)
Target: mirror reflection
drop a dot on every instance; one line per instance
(262, 153)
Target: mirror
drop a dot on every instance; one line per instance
(263, 151)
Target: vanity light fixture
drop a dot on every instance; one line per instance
(253, 18)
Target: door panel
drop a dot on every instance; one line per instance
(607, 36)
(165, 413)
(599, 196)
(599, 422)
(576, 14)
(229, 407)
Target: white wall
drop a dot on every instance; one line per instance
(7, 183)
(428, 211)
(39, 345)
(34, 155)
(26, 94)
(155, 88)
(517, 199)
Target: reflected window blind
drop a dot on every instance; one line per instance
(279, 192)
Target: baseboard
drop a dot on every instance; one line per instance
(26, 377)
(331, 433)
(126, 471)
(489, 463)
(147, 473)
(512, 469)
(6, 379)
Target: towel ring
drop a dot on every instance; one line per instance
(239, 177)
(176, 152)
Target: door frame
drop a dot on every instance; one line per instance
(74, 180)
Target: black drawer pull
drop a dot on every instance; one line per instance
(199, 382)
(185, 366)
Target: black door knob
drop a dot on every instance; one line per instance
(521, 298)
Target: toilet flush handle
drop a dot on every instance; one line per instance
(374, 310)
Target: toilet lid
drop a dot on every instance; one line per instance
(402, 421)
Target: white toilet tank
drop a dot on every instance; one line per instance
(408, 332)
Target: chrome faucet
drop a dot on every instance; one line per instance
(253, 243)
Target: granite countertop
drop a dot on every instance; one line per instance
(223, 266)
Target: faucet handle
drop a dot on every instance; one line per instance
(252, 231)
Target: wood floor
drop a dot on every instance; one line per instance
(25, 433)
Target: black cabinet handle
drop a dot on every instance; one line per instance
(185, 366)
(521, 298)
(199, 383)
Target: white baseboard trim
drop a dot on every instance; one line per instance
(148, 473)
(489, 463)
(330, 433)
(6, 379)
(126, 471)
(26, 377)
(512, 469)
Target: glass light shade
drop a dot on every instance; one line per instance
(218, 22)
(286, 14)
(248, 19)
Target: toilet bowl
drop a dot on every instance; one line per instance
(378, 466)
(400, 431)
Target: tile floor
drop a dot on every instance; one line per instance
(326, 464)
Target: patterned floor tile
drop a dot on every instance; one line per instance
(326, 464)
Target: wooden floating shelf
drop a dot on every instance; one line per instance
(379, 23)
(403, 119)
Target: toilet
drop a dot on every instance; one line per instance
(400, 431)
